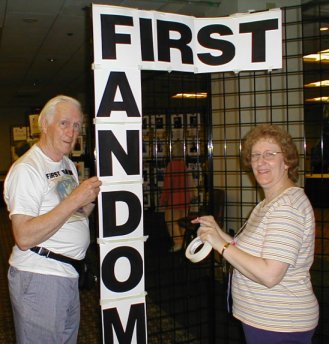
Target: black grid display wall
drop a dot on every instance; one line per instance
(182, 291)
(243, 100)
(190, 298)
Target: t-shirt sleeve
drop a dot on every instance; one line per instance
(284, 235)
(23, 191)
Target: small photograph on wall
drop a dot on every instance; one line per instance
(146, 149)
(193, 120)
(177, 125)
(34, 125)
(146, 174)
(177, 121)
(159, 144)
(78, 149)
(80, 166)
(159, 148)
(193, 147)
(178, 135)
(19, 133)
(159, 122)
(84, 127)
(146, 135)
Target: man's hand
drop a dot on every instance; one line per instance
(86, 192)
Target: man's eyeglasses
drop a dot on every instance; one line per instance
(267, 155)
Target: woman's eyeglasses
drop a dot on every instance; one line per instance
(267, 155)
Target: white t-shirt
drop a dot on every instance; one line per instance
(34, 185)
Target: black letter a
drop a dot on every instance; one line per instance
(118, 80)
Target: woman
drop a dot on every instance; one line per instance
(177, 194)
(273, 252)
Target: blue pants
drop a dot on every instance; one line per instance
(257, 336)
(46, 308)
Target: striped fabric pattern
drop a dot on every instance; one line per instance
(283, 230)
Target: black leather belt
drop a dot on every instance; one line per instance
(41, 251)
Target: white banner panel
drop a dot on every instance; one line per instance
(246, 41)
(124, 321)
(165, 41)
(117, 95)
(120, 214)
(119, 152)
(122, 269)
(120, 37)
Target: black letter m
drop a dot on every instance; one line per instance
(136, 319)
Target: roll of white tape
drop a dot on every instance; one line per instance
(195, 255)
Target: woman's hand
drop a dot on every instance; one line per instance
(208, 221)
(212, 236)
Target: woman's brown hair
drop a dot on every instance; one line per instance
(279, 136)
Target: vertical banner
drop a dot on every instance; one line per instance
(126, 41)
(118, 129)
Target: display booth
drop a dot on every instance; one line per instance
(127, 41)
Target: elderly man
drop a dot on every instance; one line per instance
(49, 212)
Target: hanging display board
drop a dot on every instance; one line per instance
(125, 42)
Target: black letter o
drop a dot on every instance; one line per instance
(136, 271)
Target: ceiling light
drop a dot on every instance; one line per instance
(318, 99)
(322, 83)
(322, 56)
(324, 28)
(190, 95)
(51, 59)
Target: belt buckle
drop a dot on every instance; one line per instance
(43, 252)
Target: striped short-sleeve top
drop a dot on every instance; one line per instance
(282, 230)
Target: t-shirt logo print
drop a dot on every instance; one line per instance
(64, 187)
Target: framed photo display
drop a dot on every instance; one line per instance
(80, 166)
(193, 147)
(34, 124)
(159, 122)
(20, 133)
(78, 149)
(177, 121)
(159, 144)
(193, 120)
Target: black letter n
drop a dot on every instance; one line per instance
(109, 145)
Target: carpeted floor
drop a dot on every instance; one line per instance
(180, 300)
